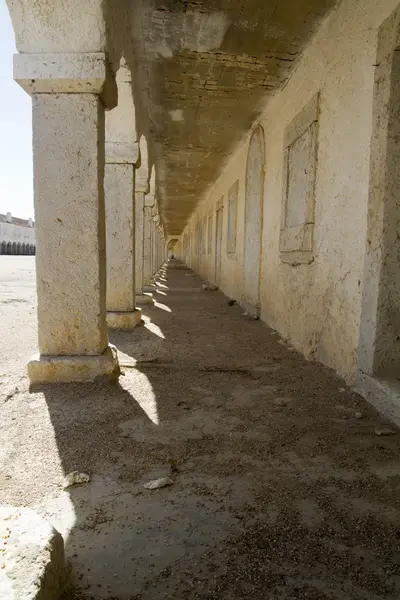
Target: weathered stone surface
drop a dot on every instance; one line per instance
(66, 74)
(70, 26)
(31, 556)
(119, 186)
(317, 306)
(147, 249)
(139, 241)
(380, 325)
(124, 320)
(145, 299)
(70, 230)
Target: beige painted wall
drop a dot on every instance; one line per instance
(318, 306)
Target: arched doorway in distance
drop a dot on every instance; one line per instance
(253, 222)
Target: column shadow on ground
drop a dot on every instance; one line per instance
(278, 490)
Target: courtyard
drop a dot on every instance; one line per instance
(285, 482)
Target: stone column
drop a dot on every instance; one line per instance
(156, 220)
(141, 249)
(153, 250)
(147, 243)
(119, 185)
(160, 249)
(68, 163)
(122, 155)
(139, 230)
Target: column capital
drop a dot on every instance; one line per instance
(72, 73)
(122, 153)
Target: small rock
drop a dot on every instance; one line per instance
(231, 302)
(209, 287)
(384, 431)
(358, 415)
(281, 401)
(156, 484)
(75, 478)
(344, 409)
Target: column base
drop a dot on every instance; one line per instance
(150, 287)
(144, 299)
(67, 369)
(124, 320)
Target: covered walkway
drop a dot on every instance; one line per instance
(285, 483)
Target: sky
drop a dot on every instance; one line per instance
(16, 179)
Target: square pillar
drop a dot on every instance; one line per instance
(154, 232)
(141, 298)
(153, 250)
(159, 250)
(147, 243)
(156, 218)
(119, 186)
(139, 230)
(68, 163)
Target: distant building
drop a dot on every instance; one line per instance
(17, 236)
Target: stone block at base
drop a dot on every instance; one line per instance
(124, 320)
(144, 299)
(66, 369)
(149, 287)
(31, 557)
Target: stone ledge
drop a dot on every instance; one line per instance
(124, 320)
(31, 556)
(80, 73)
(66, 369)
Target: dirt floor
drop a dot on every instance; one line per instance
(285, 485)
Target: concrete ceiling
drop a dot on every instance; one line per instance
(204, 70)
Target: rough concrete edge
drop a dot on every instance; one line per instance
(380, 394)
(48, 577)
